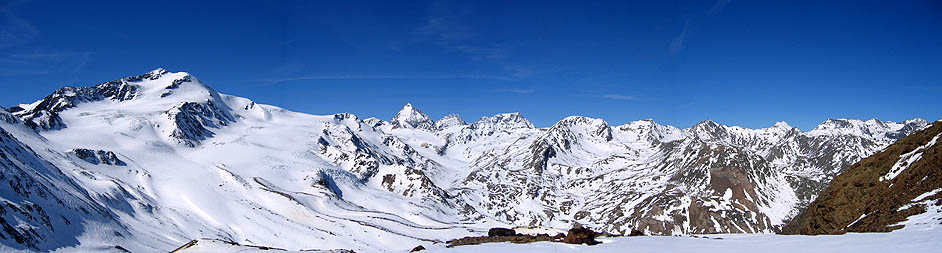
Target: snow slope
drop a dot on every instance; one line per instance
(909, 241)
(167, 159)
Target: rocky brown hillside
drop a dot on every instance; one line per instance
(877, 193)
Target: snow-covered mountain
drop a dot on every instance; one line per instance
(153, 161)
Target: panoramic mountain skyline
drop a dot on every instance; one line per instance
(739, 63)
(161, 160)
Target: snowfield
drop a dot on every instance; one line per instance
(921, 233)
(916, 241)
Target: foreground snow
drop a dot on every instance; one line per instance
(921, 233)
(911, 241)
(901, 241)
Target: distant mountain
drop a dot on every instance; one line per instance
(160, 159)
(710, 178)
(879, 193)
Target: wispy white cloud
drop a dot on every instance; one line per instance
(518, 91)
(273, 81)
(719, 6)
(14, 30)
(446, 26)
(39, 63)
(619, 97)
(678, 42)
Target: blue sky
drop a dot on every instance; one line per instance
(746, 63)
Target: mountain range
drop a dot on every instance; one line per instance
(150, 162)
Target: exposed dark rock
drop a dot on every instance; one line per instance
(474, 240)
(635, 232)
(580, 235)
(418, 248)
(98, 156)
(192, 120)
(501, 232)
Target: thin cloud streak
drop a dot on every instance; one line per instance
(445, 26)
(719, 6)
(43, 63)
(14, 30)
(679, 42)
(518, 91)
(268, 82)
(619, 97)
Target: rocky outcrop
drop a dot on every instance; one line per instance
(97, 156)
(580, 235)
(192, 121)
(501, 232)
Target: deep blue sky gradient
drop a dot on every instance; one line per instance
(746, 63)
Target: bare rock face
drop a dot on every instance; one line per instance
(418, 248)
(580, 235)
(98, 156)
(192, 121)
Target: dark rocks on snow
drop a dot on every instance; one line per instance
(501, 232)
(418, 248)
(580, 235)
(98, 156)
(520, 239)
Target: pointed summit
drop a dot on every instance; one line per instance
(409, 117)
(709, 130)
(782, 124)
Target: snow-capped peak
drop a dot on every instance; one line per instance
(158, 72)
(449, 121)
(916, 121)
(574, 128)
(709, 130)
(504, 121)
(838, 123)
(410, 117)
(782, 125)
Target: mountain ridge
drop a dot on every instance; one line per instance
(415, 179)
(882, 192)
